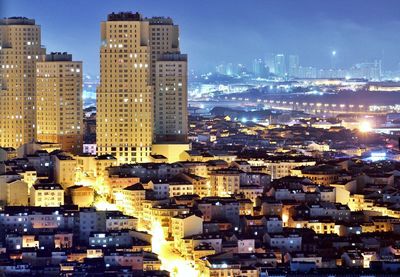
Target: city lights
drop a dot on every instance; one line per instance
(141, 160)
(174, 263)
(365, 127)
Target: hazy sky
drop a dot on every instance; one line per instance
(214, 31)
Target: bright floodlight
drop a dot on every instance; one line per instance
(365, 127)
(334, 53)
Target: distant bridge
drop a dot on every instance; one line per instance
(308, 107)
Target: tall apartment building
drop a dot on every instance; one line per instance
(164, 38)
(293, 65)
(169, 79)
(59, 101)
(280, 65)
(125, 96)
(20, 49)
(170, 101)
(131, 98)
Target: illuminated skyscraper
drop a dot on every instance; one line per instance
(170, 113)
(280, 65)
(59, 101)
(20, 49)
(142, 96)
(169, 79)
(270, 62)
(293, 65)
(125, 95)
(259, 69)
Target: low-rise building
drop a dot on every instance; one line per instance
(185, 225)
(82, 196)
(47, 195)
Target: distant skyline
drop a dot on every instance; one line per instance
(214, 32)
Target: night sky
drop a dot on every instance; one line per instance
(215, 31)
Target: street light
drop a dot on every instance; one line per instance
(333, 59)
(365, 127)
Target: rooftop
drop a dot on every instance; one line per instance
(47, 187)
(17, 20)
(124, 16)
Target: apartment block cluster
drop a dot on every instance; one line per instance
(290, 132)
(141, 99)
(142, 96)
(266, 215)
(40, 94)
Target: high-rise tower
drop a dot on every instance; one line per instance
(125, 95)
(59, 101)
(142, 97)
(293, 65)
(259, 68)
(169, 79)
(280, 65)
(170, 113)
(20, 49)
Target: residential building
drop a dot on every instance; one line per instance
(59, 106)
(47, 195)
(20, 50)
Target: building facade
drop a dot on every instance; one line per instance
(169, 79)
(142, 96)
(125, 97)
(59, 101)
(170, 112)
(20, 49)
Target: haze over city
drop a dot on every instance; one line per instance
(213, 32)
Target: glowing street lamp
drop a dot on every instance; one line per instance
(365, 127)
(333, 59)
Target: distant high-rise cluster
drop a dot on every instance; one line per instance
(282, 65)
(142, 94)
(40, 95)
(230, 69)
(288, 66)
